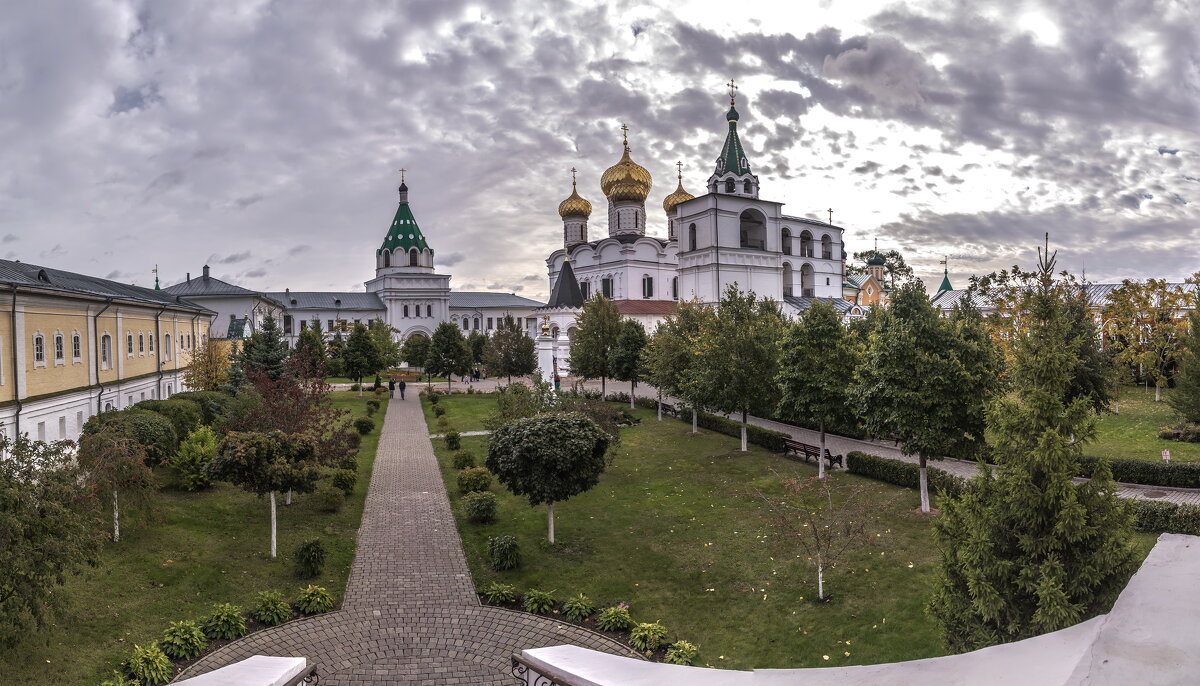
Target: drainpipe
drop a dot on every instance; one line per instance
(100, 351)
(158, 352)
(15, 371)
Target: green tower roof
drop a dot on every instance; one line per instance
(945, 281)
(733, 157)
(404, 234)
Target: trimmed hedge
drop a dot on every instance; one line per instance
(152, 430)
(212, 403)
(901, 473)
(771, 440)
(1147, 472)
(184, 415)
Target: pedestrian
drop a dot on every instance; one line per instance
(391, 388)
(402, 389)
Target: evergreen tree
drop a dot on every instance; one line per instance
(264, 350)
(415, 350)
(629, 355)
(1186, 399)
(309, 355)
(361, 356)
(896, 271)
(1094, 373)
(448, 353)
(671, 354)
(477, 342)
(387, 348)
(818, 358)
(1025, 551)
(509, 351)
(599, 324)
(737, 356)
(335, 351)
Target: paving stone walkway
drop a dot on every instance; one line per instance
(410, 615)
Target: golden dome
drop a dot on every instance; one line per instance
(675, 198)
(575, 205)
(626, 180)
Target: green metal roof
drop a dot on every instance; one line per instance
(404, 234)
(733, 157)
(945, 282)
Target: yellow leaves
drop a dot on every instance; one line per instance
(824, 657)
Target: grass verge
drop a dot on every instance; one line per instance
(1133, 432)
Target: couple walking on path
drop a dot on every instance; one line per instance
(393, 385)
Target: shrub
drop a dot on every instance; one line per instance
(314, 600)
(330, 498)
(355, 387)
(194, 454)
(648, 637)
(1162, 517)
(480, 507)
(370, 411)
(434, 397)
(185, 415)
(183, 640)
(226, 622)
(1147, 472)
(474, 479)
(149, 665)
(497, 593)
(615, 618)
(771, 440)
(372, 406)
(309, 559)
(211, 403)
(578, 608)
(503, 552)
(902, 473)
(378, 385)
(681, 653)
(617, 397)
(344, 479)
(539, 602)
(1187, 432)
(364, 425)
(150, 429)
(348, 462)
(270, 608)
(453, 440)
(443, 424)
(464, 459)
(118, 679)
(439, 410)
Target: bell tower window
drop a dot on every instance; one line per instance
(746, 187)
(730, 186)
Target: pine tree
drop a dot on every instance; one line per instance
(818, 357)
(1024, 550)
(1186, 399)
(309, 354)
(509, 351)
(629, 355)
(671, 354)
(599, 324)
(448, 352)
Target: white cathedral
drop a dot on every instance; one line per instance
(728, 235)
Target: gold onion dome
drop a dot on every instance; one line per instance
(677, 197)
(575, 205)
(626, 180)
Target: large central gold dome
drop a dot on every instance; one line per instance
(626, 180)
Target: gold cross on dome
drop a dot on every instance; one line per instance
(402, 170)
(732, 90)
(830, 211)
(625, 133)
(679, 166)
(573, 170)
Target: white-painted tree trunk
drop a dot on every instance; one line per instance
(821, 457)
(272, 524)
(1157, 393)
(924, 487)
(288, 500)
(632, 390)
(820, 579)
(660, 406)
(116, 519)
(744, 431)
(695, 420)
(550, 519)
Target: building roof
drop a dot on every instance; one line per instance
(566, 293)
(630, 307)
(1096, 294)
(206, 285)
(484, 299)
(945, 281)
(403, 234)
(733, 157)
(803, 303)
(857, 280)
(48, 278)
(312, 300)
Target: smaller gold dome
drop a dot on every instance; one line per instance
(675, 198)
(626, 180)
(575, 205)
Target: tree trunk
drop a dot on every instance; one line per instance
(288, 500)
(550, 520)
(743, 431)
(820, 578)
(1157, 393)
(273, 524)
(448, 375)
(602, 389)
(632, 390)
(660, 405)
(359, 395)
(695, 421)
(821, 457)
(116, 519)
(924, 486)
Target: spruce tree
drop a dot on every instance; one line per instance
(1024, 550)
(309, 355)
(265, 351)
(629, 355)
(599, 324)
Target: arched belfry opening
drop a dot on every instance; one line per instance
(753, 229)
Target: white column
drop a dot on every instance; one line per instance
(545, 353)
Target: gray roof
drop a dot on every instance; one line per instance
(803, 303)
(483, 299)
(857, 280)
(33, 276)
(946, 300)
(313, 300)
(207, 285)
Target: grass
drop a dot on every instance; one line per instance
(1133, 433)
(198, 549)
(465, 412)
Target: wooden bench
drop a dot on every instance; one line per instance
(670, 410)
(810, 452)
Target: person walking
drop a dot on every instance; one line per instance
(402, 389)
(391, 388)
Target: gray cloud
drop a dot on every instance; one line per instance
(230, 259)
(9, 238)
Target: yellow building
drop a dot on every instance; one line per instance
(73, 345)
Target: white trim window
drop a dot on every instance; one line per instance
(151, 337)
(106, 351)
(60, 349)
(129, 344)
(141, 343)
(647, 286)
(166, 347)
(76, 347)
(39, 350)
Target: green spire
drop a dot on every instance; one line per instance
(733, 157)
(945, 281)
(403, 234)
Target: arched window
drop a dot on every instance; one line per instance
(753, 230)
(466, 323)
(406, 310)
(730, 187)
(429, 310)
(39, 349)
(787, 279)
(746, 187)
(826, 247)
(606, 287)
(60, 353)
(412, 258)
(647, 286)
(585, 289)
(76, 347)
(167, 346)
(786, 239)
(128, 343)
(105, 351)
(675, 287)
(692, 237)
(387, 258)
(151, 339)
(806, 244)
(807, 281)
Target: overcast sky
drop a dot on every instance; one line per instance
(264, 137)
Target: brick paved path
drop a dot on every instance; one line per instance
(410, 615)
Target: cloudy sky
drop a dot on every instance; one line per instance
(264, 137)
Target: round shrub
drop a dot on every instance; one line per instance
(434, 397)
(185, 415)
(211, 403)
(439, 410)
(193, 457)
(150, 429)
(355, 387)
(578, 608)
(149, 665)
(480, 507)
(226, 622)
(270, 608)
(314, 600)
(474, 479)
(330, 499)
(453, 440)
(349, 462)
(183, 640)
(648, 637)
(539, 602)
(497, 593)
(464, 459)
(344, 479)
(503, 552)
(681, 653)
(364, 425)
(373, 404)
(443, 424)
(615, 618)
(309, 559)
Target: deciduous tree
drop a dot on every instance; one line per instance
(361, 357)
(415, 350)
(310, 354)
(628, 355)
(387, 348)
(598, 326)
(208, 367)
(116, 465)
(336, 350)
(1147, 322)
(671, 355)
(1186, 400)
(509, 351)
(476, 343)
(448, 353)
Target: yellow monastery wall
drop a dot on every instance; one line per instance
(8, 383)
(53, 374)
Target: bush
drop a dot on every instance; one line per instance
(615, 618)
(185, 415)
(372, 406)
(539, 602)
(355, 387)
(314, 600)
(901, 473)
(618, 397)
(648, 637)
(1185, 432)
(434, 397)
(439, 410)
(344, 479)
(378, 385)
(480, 507)
(211, 403)
(503, 552)
(771, 440)
(453, 440)
(270, 608)
(1147, 472)
(464, 459)
(226, 622)
(443, 424)
(330, 498)
(193, 457)
(182, 640)
(309, 559)
(497, 593)
(474, 479)
(348, 462)
(578, 608)
(150, 429)
(118, 679)
(1160, 517)
(681, 653)
(149, 665)
(364, 425)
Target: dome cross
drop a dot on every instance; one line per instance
(732, 91)
(402, 170)
(625, 134)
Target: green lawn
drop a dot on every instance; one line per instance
(465, 412)
(200, 548)
(1133, 431)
